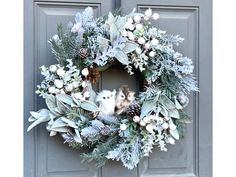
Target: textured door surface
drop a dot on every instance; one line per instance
(191, 157)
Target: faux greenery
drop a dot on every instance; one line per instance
(91, 44)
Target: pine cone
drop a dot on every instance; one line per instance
(94, 75)
(83, 52)
(105, 130)
(133, 110)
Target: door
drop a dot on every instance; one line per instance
(46, 156)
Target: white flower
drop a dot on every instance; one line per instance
(148, 12)
(137, 18)
(154, 42)
(55, 38)
(165, 125)
(172, 126)
(123, 127)
(62, 91)
(171, 140)
(84, 84)
(130, 27)
(139, 26)
(146, 18)
(53, 68)
(142, 123)
(76, 28)
(130, 20)
(136, 118)
(78, 96)
(146, 119)
(130, 36)
(43, 68)
(61, 72)
(152, 54)
(58, 83)
(69, 87)
(147, 45)
(138, 50)
(149, 128)
(86, 94)
(85, 72)
(141, 40)
(155, 16)
(75, 84)
(125, 33)
(52, 89)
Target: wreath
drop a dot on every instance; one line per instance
(115, 124)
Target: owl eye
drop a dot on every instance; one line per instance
(122, 96)
(108, 97)
(104, 98)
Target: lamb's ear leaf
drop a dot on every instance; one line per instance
(129, 47)
(166, 102)
(174, 113)
(122, 57)
(147, 107)
(51, 103)
(89, 106)
(65, 98)
(175, 133)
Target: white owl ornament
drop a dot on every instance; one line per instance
(106, 101)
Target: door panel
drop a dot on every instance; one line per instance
(191, 157)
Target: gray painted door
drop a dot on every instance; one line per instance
(45, 156)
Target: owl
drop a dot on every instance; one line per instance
(124, 98)
(106, 100)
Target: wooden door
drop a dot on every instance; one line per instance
(191, 157)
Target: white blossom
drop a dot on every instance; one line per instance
(130, 20)
(75, 84)
(139, 26)
(137, 18)
(148, 12)
(53, 68)
(58, 83)
(154, 42)
(141, 40)
(61, 72)
(123, 127)
(155, 16)
(85, 72)
(69, 87)
(136, 118)
(130, 36)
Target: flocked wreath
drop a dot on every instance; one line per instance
(118, 124)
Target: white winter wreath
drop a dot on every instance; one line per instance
(115, 124)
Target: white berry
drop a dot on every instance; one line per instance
(141, 40)
(85, 72)
(149, 128)
(152, 54)
(75, 84)
(146, 119)
(171, 140)
(139, 26)
(142, 123)
(123, 127)
(138, 50)
(58, 83)
(136, 118)
(61, 72)
(147, 45)
(154, 42)
(165, 125)
(52, 89)
(155, 16)
(53, 68)
(86, 94)
(130, 36)
(84, 84)
(130, 20)
(148, 12)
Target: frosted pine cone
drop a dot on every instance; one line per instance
(83, 52)
(105, 130)
(94, 75)
(133, 110)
